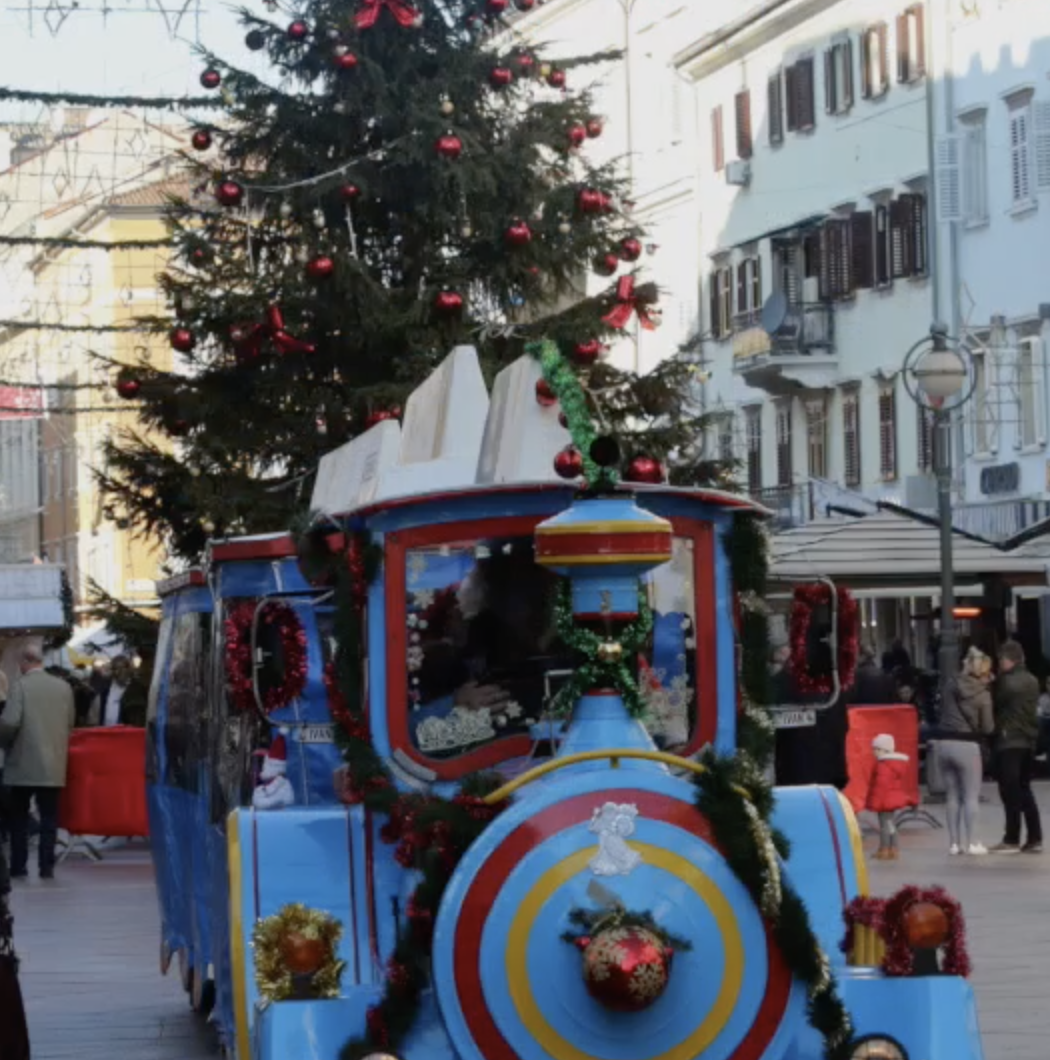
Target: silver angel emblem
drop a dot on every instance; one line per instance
(613, 824)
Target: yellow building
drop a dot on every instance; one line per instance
(112, 199)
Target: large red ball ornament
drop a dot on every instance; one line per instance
(631, 249)
(320, 268)
(644, 469)
(501, 77)
(526, 63)
(595, 127)
(302, 955)
(229, 193)
(556, 79)
(525, 5)
(448, 303)
(590, 200)
(298, 31)
(607, 264)
(496, 7)
(128, 387)
(577, 135)
(211, 78)
(569, 463)
(518, 235)
(182, 339)
(586, 353)
(626, 969)
(201, 140)
(545, 396)
(449, 146)
(350, 192)
(926, 926)
(347, 61)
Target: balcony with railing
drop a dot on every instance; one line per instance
(785, 345)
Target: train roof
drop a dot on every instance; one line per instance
(252, 547)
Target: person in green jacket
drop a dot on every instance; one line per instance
(1016, 737)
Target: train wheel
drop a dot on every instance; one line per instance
(165, 956)
(185, 971)
(202, 995)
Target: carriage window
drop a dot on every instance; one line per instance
(185, 729)
(483, 657)
(153, 702)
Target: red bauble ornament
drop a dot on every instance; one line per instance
(926, 926)
(211, 78)
(501, 77)
(556, 79)
(179, 428)
(302, 955)
(631, 249)
(298, 31)
(199, 256)
(448, 303)
(644, 469)
(626, 969)
(320, 268)
(182, 339)
(545, 396)
(229, 193)
(577, 135)
(449, 146)
(563, 420)
(378, 417)
(495, 8)
(525, 5)
(590, 200)
(607, 264)
(569, 463)
(350, 192)
(518, 235)
(595, 127)
(201, 140)
(586, 353)
(128, 387)
(348, 61)
(526, 63)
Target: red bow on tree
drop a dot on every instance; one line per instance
(628, 303)
(248, 341)
(404, 13)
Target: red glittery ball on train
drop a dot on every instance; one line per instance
(626, 969)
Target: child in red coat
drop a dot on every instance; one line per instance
(888, 792)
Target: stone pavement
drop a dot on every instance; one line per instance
(89, 948)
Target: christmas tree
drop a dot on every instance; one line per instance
(411, 177)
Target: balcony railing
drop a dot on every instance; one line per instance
(806, 328)
(791, 505)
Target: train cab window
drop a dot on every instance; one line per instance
(184, 730)
(483, 654)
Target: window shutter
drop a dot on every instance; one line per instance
(1041, 139)
(900, 245)
(741, 287)
(717, 140)
(743, 124)
(883, 273)
(827, 265)
(881, 34)
(756, 284)
(903, 71)
(919, 233)
(863, 257)
(949, 178)
(888, 433)
(716, 317)
(918, 59)
(846, 88)
(1021, 187)
(844, 282)
(830, 87)
(867, 45)
(791, 97)
(806, 104)
(775, 117)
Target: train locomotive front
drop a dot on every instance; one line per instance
(601, 829)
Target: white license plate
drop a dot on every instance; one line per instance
(794, 719)
(317, 734)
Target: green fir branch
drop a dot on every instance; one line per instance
(81, 99)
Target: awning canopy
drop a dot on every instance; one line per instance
(887, 548)
(30, 598)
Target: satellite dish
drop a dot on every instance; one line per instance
(774, 313)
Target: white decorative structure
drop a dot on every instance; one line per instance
(522, 437)
(30, 597)
(350, 476)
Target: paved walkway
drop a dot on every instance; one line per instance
(89, 945)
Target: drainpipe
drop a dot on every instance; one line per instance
(931, 165)
(627, 6)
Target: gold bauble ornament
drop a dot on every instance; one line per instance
(610, 651)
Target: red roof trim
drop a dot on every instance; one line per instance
(280, 547)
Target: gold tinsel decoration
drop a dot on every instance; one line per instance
(295, 954)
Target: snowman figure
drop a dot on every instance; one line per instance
(273, 790)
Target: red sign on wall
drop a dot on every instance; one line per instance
(19, 403)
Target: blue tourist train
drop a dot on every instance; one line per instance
(596, 909)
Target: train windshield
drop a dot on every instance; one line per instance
(484, 657)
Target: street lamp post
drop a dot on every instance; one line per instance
(937, 376)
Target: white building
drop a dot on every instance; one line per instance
(992, 117)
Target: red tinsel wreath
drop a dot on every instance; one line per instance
(886, 917)
(807, 599)
(239, 667)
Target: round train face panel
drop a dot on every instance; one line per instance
(511, 987)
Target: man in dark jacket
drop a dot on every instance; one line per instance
(1016, 736)
(872, 686)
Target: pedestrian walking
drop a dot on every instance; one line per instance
(1016, 736)
(36, 724)
(966, 721)
(888, 792)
